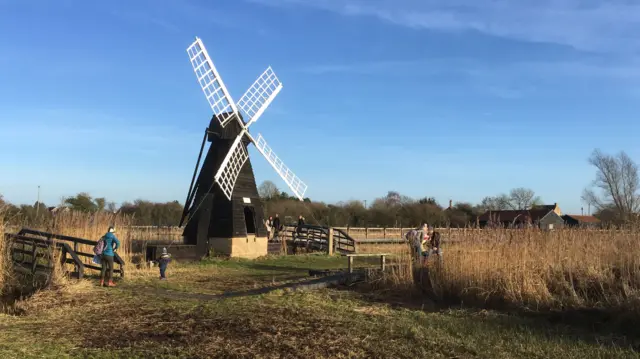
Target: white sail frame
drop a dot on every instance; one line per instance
(211, 83)
(231, 166)
(259, 95)
(295, 184)
(253, 103)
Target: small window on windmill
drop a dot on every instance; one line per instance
(246, 200)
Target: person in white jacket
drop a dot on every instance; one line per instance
(421, 236)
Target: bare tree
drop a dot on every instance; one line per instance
(617, 179)
(518, 198)
(523, 198)
(111, 207)
(268, 190)
(101, 203)
(497, 203)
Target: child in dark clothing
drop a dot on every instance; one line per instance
(163, 262)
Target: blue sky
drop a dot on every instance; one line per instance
(453, 99)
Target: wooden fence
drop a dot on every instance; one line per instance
(34, 250)
(357, 233)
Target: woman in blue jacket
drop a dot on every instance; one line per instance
(107, 255)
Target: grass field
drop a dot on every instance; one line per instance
(564, 293)
(188, 316)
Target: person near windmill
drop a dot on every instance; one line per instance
(269, 225)
(421, 241)
(163, 263)
(276, 228)
(434, 246)
(299, 226)
(106, 249)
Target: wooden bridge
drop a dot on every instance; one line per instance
(34, 251)
(314, 238)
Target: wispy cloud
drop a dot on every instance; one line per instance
(364, 68)
(596, 25)
(177, 16)
(80, 128)
(145, 18)
(508, 80)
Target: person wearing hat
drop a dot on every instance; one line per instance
(163, 262)
(106, 258)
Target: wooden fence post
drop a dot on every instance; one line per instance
(384, 233)
(75, 250)
(330, 242)
(34, 262)
(366, 233)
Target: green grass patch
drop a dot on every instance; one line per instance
(135, 320)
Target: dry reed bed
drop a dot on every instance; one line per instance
(90, 226)
(5, 263)
(540, 269)
(526, 268)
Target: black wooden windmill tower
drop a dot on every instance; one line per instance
(223, 211)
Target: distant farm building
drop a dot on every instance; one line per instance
(572, 220)
(542, 216)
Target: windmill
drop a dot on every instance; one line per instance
(223, 211)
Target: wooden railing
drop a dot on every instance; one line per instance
(27, 258)
(342, 241)
(392, 233)
(72, 244)
(318, 238)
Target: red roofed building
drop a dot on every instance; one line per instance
(542, 216)
(572, 220)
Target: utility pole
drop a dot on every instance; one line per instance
(38, 203)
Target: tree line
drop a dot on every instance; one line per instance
(613, 195)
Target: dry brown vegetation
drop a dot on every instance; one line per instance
(77, 224)
(180, 318)
(569, 268)
(495, 268)
(535, 269)
(5, 264)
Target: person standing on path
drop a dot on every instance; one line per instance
(435, 246)
(422, 236)
(163, 262)
(107, 255)
(276, 228)
(269, 225)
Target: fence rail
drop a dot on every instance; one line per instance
(357, 233)
(69, 246)
(318, 238)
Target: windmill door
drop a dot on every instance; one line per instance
(250, 219)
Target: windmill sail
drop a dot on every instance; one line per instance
(211, 83)
(297, 186)
(259, 95)
(231, 165)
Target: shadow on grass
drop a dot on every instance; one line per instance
(307, 284)
(613, 327)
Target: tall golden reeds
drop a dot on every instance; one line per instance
(532, 268)
(92, 226)
(5, 259)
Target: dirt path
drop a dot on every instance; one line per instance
(309, 284)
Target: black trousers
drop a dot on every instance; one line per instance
(106, 261)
